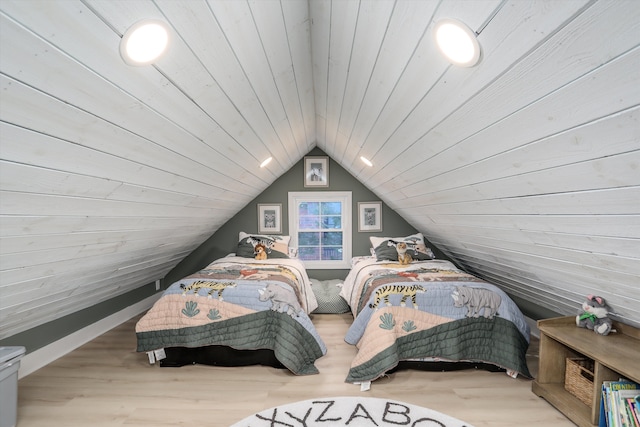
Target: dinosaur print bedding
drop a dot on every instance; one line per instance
(429, 311)
(242, 303)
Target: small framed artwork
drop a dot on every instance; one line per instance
(369, 216)
(270, 218)
(316, 171)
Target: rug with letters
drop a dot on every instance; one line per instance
(352, 412)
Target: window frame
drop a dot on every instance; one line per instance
(344, 197)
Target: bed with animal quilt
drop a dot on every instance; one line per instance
(425, 310)
(237, 311)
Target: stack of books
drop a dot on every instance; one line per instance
(620, 405)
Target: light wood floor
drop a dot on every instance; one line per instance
(106, 383)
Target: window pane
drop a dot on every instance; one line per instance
(322, 228)
(331, 254)
(309, 223)
(309, 208)
(334, 222)
(308, 239)
(309, 253)
(332, 239)
(331, 208)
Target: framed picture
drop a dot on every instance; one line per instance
(316, 171)
(270, 218)
(369, 216)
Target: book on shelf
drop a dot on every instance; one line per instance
(634, 409)
(625, 417)
(619, 404)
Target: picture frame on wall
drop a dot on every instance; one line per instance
(316, 171)
(369, 216)
(270, 218)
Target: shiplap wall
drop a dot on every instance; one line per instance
(112, 174)
(524, 169)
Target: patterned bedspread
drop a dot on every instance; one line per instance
(242, 303)
(429, 310)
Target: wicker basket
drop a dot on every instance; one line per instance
(578, 379)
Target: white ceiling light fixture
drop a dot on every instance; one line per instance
(144, 42)
(457, 42)
(366, 161)
(266, 162)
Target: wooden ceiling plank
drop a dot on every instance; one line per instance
(519, 30)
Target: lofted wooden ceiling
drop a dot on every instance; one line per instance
(524, 169)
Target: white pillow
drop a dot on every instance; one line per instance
(385, 248)
(277, 246)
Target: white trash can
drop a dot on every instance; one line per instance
(9, 364)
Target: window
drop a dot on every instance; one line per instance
(320, 227)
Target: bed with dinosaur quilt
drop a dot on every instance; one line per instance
(428, 311)
(236, 311)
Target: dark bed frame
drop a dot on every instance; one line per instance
(218, 355)
(444, 366)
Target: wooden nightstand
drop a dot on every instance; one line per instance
(615, 355)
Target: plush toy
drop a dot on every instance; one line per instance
(261, 251)
(594, 315)
(403, 257)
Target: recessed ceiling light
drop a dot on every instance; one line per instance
(144, 42)
(366, 161)
(457, 42)
(266, 162)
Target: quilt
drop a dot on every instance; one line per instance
(430, 311)
(242, 303)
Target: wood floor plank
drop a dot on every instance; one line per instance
(107, 383)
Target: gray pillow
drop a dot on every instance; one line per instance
(385, 249)
(277, 246)
(328, 295)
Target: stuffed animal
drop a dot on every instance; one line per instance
(594, 315)
(281, 298)
(403, 257)
(261, 251)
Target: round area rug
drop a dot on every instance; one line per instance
(352, 412)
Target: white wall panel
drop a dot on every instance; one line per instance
(524, 168)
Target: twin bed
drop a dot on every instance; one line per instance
(239, 310)
(429, 311)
